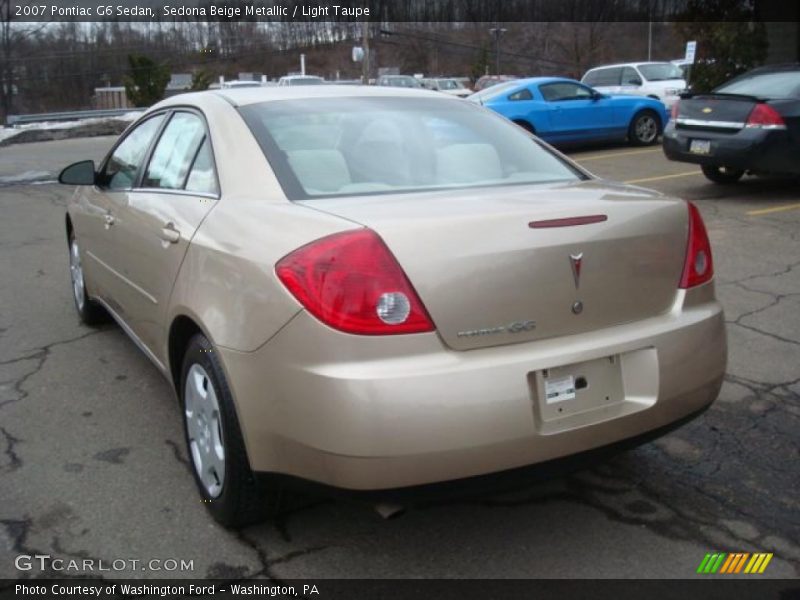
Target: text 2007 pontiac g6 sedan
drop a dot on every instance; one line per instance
(374, 288)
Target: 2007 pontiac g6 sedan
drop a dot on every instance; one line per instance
(376, 288)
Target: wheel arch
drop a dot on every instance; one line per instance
(181, 330)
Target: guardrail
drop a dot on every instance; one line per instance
(74, 115)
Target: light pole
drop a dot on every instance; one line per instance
(497, 32)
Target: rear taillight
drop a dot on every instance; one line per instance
(764, 116)
(673, 114)
(699, 266)
(352, 282)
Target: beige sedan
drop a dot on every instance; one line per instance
(374, 288)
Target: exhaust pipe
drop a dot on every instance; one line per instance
(389, 511)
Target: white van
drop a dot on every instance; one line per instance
(661, 80)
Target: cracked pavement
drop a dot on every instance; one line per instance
(92, 462)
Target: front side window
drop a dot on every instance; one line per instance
(630, 77)
(373, 145)
(175, 152)
(556, 92)
(123, 164)
(660, 72)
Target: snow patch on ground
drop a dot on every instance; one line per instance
(7, 133)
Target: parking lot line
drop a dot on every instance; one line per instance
(660, 177)
(774, 209)
(615, 154)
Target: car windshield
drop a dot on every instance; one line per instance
(784, 84)
(660, 72)
(378, 145)
(305, 81)
(402, 82)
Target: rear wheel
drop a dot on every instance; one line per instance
(89, 311)
(722, 175)
(230, 490)
(644, 128)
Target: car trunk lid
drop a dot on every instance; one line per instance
(715, 112)
(488, 277)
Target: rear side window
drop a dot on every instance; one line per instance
(602, 77)
(203, 177)
(175, 152)
(123, 164)
(785, 84)
(523, 94)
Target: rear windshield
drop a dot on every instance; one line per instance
(324, 147)
(785, 84)
(660, 72)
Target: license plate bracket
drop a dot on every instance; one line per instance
(701, 147)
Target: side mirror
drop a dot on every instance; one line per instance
(79, 173)
(636, 82)
(597, 96)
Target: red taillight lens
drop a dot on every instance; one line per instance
(764, 116)
(352, 282)
(673, 114)
(699, 266)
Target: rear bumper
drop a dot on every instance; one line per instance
(369, 414)
(767, 151)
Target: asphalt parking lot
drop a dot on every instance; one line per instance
(92, 463)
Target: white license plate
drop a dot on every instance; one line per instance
(559, 389)
(700, 147)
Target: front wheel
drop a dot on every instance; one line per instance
(228, 487)
(89, 311)
(722, 175)
(644, 129)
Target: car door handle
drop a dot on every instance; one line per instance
(170, 234)
(109, 220)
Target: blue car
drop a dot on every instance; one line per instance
(562, 111)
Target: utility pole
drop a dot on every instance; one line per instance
(497, 32)
(365, 45)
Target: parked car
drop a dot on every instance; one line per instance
(375, 289)
(566, 111)
(488, 81)
(447, 85)
(403, 81)
(300, 80)
(236, 83)
(660, 80)
(749, 124)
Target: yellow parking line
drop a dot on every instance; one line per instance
(774, 209)
(614, 154)
(659, 178)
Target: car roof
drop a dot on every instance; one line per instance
(252, 95)
(631, 64)
(539, 80)
(779, 68)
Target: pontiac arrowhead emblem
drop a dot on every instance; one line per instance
(576, 260)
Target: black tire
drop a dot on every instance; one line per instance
(722, 175)
(644, 129)
(243, 499)
(89, 311)
(526, 126)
